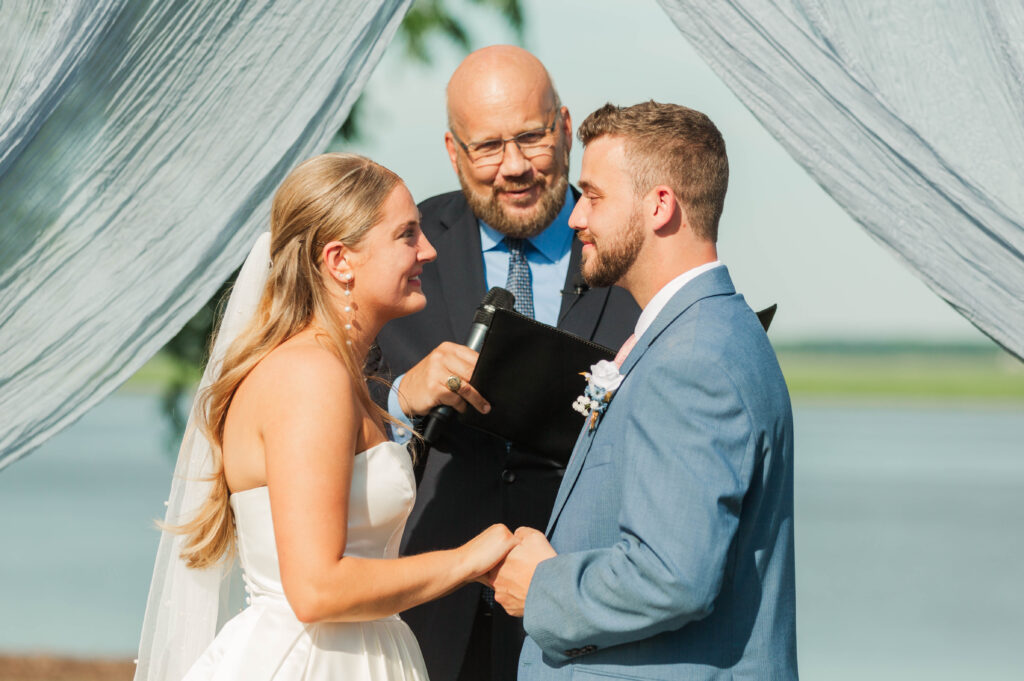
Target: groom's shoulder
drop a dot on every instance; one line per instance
(717, 333)
(713, 323)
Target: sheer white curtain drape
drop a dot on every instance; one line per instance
(140, 144)
(910, 114)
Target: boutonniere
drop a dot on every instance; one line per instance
(603, 380)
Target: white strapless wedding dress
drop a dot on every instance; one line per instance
(266, 641)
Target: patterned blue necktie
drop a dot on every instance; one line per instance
(519, 276)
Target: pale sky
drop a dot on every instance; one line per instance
(783, 238)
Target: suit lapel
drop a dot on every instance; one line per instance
(572, 472)
(463, 286)
(715, 282)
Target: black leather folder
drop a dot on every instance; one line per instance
(531, 374)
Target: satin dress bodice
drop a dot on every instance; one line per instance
(267, 641)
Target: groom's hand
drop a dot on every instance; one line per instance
(513, 576)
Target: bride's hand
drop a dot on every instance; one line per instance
(484, 551)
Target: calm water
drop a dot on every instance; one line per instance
(909, 538)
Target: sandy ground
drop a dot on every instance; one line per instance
(49, 668)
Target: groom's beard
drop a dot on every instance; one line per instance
(611, 259)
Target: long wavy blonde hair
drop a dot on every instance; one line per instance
(332, 197)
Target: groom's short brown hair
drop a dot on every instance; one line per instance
(671, 145)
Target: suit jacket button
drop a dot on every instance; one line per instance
(508, 476)
(572, 652)
(588, 649)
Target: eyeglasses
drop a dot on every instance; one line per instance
(532, 144)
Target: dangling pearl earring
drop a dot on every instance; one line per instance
(347, 280)
(348, 290)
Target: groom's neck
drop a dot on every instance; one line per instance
(656, 267)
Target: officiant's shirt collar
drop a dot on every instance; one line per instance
(661, 298)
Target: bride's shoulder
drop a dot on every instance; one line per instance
(300, 369)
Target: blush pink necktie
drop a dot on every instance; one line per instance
(624, 350)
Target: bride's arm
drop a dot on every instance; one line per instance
(310, 421)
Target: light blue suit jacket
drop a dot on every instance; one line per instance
(674, 521)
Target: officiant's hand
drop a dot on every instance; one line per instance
(430, 382)
(511, 579)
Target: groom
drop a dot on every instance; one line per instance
(671, 538)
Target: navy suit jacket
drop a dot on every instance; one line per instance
(674, 521)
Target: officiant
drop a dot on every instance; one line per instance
(508, 141)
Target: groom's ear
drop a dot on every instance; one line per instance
(663, 209)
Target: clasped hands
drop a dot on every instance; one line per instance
(511, 576)
(425, 386)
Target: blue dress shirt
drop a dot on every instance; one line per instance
(548, 257)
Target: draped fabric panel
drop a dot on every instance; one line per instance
(909, 114)
(140, 145)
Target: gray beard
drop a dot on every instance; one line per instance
(490, 210)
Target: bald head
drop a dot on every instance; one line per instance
(497, 81)
(501, 97)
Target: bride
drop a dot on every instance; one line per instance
(305, 485)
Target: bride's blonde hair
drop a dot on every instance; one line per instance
(332, 197)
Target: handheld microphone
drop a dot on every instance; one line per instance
(496, 299)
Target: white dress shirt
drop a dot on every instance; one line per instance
(661, 298)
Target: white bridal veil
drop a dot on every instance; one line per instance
(185, 606)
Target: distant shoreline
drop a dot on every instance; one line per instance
(857, 371)
(902, 371)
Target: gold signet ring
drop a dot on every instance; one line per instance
(454, 383)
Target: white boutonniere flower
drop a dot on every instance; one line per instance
(603, 380)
